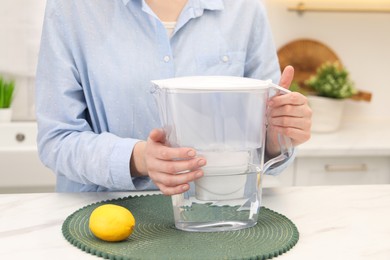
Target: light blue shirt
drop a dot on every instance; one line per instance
(96, 61)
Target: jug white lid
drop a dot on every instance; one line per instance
(212, 83)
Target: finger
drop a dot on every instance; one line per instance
(287, 77)
(298, 136)
(291, 111)
(163, 152)
(173, 180)
(173, 167)
(292, 122)
(292, 98)
(173, 153)
(168, 191)
(157, 135)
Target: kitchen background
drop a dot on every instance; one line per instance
(361, 40)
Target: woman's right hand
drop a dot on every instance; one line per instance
(171, 169)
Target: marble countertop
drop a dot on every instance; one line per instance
(335, 222)
(367, 137)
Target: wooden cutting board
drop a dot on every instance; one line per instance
(306, 56)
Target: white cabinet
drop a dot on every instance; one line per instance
(329, 170)
(21, 168)
(357, 153)
(342, 170)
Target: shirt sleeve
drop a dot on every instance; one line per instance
(262, 60)
(262, 63)
(67, 142)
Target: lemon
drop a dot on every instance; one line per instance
(111, 222)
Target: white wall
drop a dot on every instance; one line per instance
(360, 40)
(20, 31)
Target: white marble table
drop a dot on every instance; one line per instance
(335, 222)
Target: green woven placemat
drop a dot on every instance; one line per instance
(155, 236)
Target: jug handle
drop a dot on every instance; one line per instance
(286, 147)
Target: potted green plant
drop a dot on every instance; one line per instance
(332, 81)
(327, 91)
(6, 96)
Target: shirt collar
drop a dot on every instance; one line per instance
(208, 4)
(201, 4)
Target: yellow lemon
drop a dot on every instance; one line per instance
(111, 222)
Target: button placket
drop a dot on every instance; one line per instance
(225, 58)
(166, 58)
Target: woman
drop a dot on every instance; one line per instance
(98, 123)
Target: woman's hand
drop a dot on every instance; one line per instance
(289, 115)
(171, 169)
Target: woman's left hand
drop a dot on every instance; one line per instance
(289, 115)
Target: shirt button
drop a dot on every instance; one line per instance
(225, 58)
(167, 58)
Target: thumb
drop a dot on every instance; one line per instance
(157, 135)
(287, 77)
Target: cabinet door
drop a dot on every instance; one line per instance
(342, 170)
(24, 172)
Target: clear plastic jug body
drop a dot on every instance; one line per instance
(227, 127)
